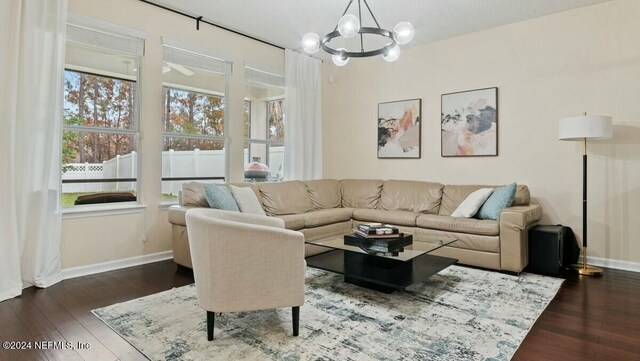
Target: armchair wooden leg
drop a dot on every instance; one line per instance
(296, 319)
(211, 319)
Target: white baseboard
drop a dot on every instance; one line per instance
(162, 256)
(613, 263)
(114, 265)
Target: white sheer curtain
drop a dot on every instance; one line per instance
(31, 63)
(303, 127)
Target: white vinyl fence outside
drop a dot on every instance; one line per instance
(192, 163)
(83, 171)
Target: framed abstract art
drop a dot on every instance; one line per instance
(469, 123)
(400, 129)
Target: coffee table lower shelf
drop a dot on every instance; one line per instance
(379, 273)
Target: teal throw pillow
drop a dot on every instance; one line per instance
(219, 197)
(500, 199)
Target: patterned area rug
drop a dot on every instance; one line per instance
(459, 314)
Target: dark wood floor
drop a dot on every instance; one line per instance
(590, 318)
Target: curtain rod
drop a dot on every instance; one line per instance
(199, 20)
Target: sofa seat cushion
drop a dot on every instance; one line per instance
(327, 231)
(293, 221)
(459, 225)
(327, 216)
(472, 242)
(398, 218)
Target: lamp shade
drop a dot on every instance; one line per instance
(594, 127)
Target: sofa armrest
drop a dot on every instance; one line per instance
(177, 215)
(180, 238)
(247, 218)
(515, 223)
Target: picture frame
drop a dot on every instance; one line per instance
(469, 123)
(400, 129)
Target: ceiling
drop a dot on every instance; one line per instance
(284, 22)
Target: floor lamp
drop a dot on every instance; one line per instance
(583, 128)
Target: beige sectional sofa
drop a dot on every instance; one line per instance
(328, 207)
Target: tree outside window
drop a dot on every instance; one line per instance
(97, 102)
(99, 135)
(192, 113)
(275, 111)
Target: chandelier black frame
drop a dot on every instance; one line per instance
(363, 30)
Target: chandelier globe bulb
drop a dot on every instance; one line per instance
(392, 54)
(311, 43)
(340, 59)
(403, 32)
(348, 26)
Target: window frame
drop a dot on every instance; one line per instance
(224, 138)
(268, 143)
(206, 59)
(135, 132)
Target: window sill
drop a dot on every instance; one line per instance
(167, 204)
(100, 210)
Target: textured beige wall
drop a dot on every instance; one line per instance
(100, 239)
(587, 59)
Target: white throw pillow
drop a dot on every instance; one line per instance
(471, 204)
(247, 200)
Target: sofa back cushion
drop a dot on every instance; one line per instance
(453, 195)
(324, 193)
(360, 193)
(523, 197)
(253, 186)
(285, 198)
(193, 195)
(413, 196)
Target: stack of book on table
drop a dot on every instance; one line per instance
(378, 237)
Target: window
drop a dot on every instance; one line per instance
(275, 112)
(264, 121)
(100, 117)
(193, 118)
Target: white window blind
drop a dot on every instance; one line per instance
(97, 33)
(187, 55)
(255, 75)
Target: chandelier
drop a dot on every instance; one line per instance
(349, 26)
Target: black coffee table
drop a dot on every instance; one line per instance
(385, 272)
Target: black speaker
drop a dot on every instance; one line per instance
(546, 250)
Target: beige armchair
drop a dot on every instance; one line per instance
(245, 262)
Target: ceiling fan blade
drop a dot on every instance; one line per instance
(180, 68)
